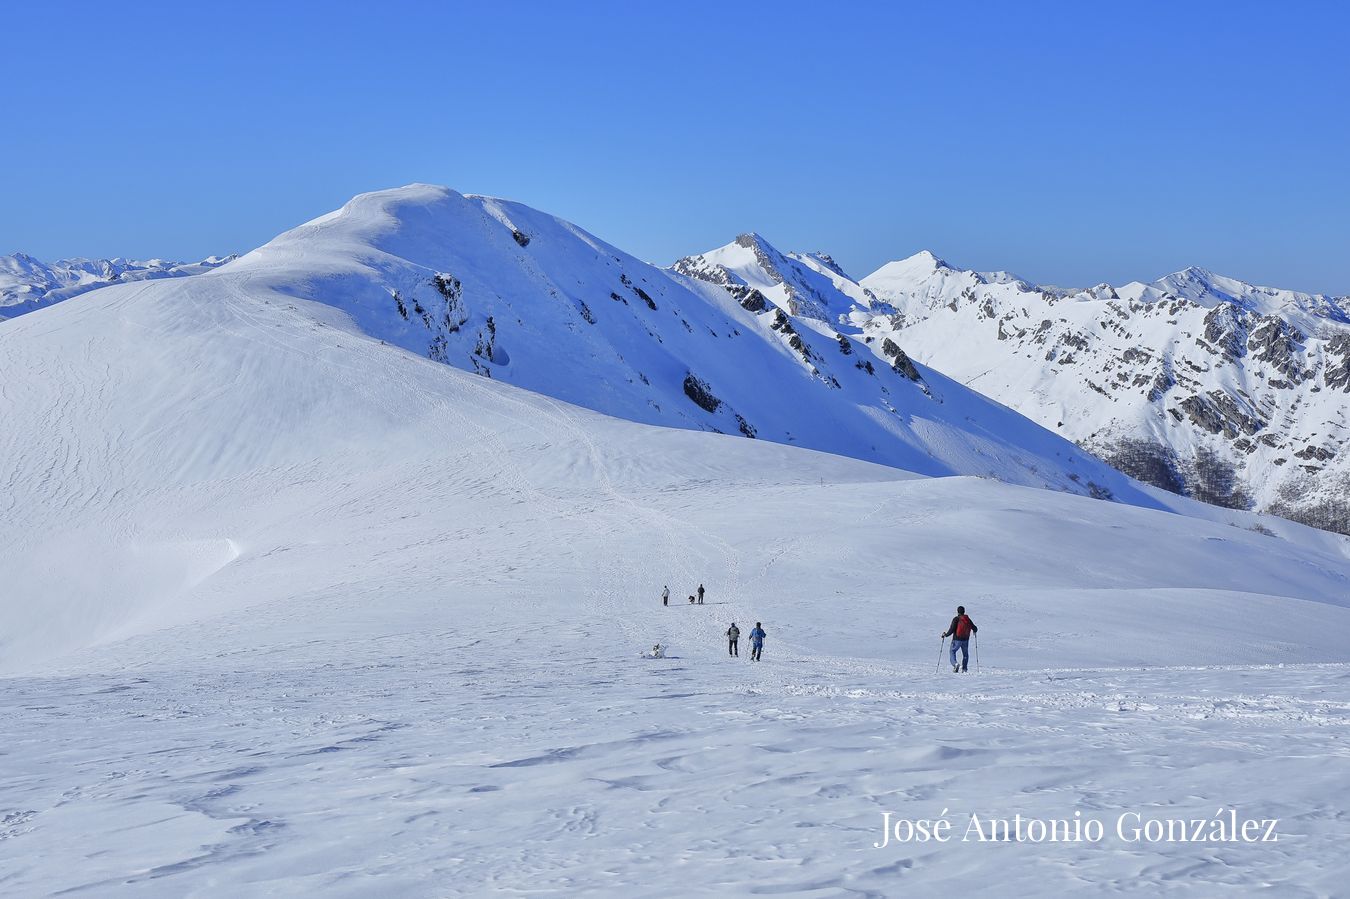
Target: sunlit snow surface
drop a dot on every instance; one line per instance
(287, 611)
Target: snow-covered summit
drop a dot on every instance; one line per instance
(508, 292)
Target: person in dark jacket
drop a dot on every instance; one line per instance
(733, 640)
(665, 596)
(700, 594)
(756, 642)
(960, 630)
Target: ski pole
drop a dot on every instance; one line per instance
(977, 652)
(942, 646)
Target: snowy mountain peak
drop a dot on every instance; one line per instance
(907, 271)
(809, 285)
(745, 342)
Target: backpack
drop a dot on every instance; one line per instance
(962, 631)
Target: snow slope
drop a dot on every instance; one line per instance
(291, 609)
(27, 283)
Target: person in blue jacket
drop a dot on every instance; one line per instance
(756, 642)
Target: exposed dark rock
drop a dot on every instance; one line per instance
(749, 297)
(1320, 453)
(746, 428)
(900, 362)
(1278, 343)
(698, 390)
(520, 237)
(1218, 413)
(1337, 352)
(436, 350)
(454, 315)
(1226, 331)
(486, 346)
(845, 346)
(903, 366)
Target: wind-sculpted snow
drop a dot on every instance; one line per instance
(289, 609)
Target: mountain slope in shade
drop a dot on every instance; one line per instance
(27, 283)
(514, 294)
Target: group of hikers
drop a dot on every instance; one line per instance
(960, 630)
(733, 633)
(756, 641)
(665, 596)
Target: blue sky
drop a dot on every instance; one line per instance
(1069, 142)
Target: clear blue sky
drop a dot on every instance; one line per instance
(1069, 142)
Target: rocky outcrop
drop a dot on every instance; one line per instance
(1279, 344)
(900, 363)
(698, 390)
(1337, 373)
(1218, 413)
(1225, 332)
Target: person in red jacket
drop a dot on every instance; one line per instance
(960, 630)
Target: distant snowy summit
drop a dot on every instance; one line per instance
(1197, 383)
(27, 283)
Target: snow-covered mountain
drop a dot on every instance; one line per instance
(1197, 383)
(27, 283)
(508, 292)
(289, 609)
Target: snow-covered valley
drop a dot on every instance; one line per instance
(290, 607)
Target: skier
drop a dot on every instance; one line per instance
(960, 630)
(733, 637)
(756, 642)
(700, 594)
(665, 596)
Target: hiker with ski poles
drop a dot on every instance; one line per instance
(960, 630)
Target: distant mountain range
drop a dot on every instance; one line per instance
(1196, 383)
(27, 283)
